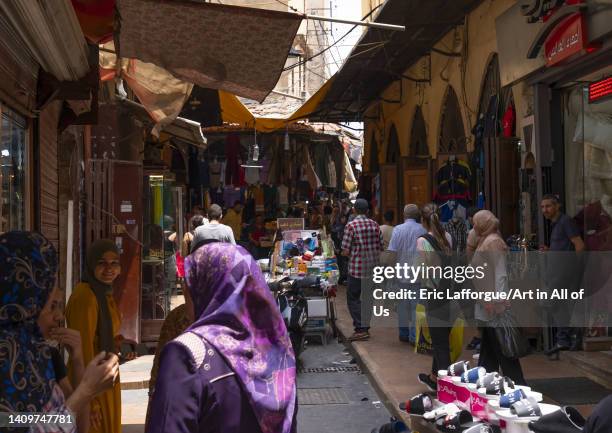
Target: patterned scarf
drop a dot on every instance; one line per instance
(236, 313)
(28, 265)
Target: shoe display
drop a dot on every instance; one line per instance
(417, 405)
(566, 420)
(446, 410)
(483, 428)
(457, 422)
(426, 380)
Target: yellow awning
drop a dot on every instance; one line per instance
(234, 111)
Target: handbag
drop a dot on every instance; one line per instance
(510, 336)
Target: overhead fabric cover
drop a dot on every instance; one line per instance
(160, 93)
(97, 18)
(235, 112)
(237, 49)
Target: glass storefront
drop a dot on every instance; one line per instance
(588, 194)
(159, 264)
(588, 166)
(13, 160)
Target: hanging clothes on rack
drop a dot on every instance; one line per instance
(234, 173)
(215, 168)
(309, 173)
(320, 160)
(453, 180)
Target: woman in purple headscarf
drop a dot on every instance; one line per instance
(233, 370)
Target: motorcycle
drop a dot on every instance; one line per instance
(294, 310)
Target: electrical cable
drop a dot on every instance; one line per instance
(328, 48)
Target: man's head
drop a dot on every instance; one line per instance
(412, 211)
(550, 207)
(238, 206)
(470, 214)
(361, 206)
(388, 216)
(215, 212)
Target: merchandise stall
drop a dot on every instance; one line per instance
(473, 399)
(284, 167)
(308, 256)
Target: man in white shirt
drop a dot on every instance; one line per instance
(214, 230)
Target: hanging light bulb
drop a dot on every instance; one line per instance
(253, 161)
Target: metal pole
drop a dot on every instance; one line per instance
(357, 23)
(69, 248)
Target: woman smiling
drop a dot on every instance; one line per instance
(92, 311)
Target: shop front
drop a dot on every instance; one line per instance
(567, 62)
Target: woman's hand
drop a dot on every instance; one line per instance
(99, 376)
(71, 339)
(100, 373)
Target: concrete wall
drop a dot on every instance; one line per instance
(465, 74)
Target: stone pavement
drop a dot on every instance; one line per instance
(393, 366)
(135, 393)
(358, 409)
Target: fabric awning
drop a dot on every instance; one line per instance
(183, 129)
(237, 49)
(235, 112)
(52, 34)
(97, 19)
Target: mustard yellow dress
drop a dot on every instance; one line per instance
(82, 315)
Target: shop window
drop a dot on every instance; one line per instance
(588, 166)
(13, 159)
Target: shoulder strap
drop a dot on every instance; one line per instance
(194, 345)
(432, 241)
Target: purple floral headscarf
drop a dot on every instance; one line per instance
(238, 316)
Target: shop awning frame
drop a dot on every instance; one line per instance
(367, 72)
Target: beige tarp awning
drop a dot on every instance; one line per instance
(237, 49)
(184, 129)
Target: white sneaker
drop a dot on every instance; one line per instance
(447, 409)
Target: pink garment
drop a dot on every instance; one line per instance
(180, 265)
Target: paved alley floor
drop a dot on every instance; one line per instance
(334, 396)
(358, 409)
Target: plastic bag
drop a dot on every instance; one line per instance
(510, 336)
(424, 339)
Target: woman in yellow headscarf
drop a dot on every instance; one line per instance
(92, 311)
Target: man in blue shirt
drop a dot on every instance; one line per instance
(403, 243)
(564, 237)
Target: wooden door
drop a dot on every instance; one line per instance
(389, 189)
(115, 212)
(508, 165)
(416, 186)
(126, 231)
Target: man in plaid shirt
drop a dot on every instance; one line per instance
(362, 243)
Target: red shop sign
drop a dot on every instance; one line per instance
(567, 39)
(600, 90)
